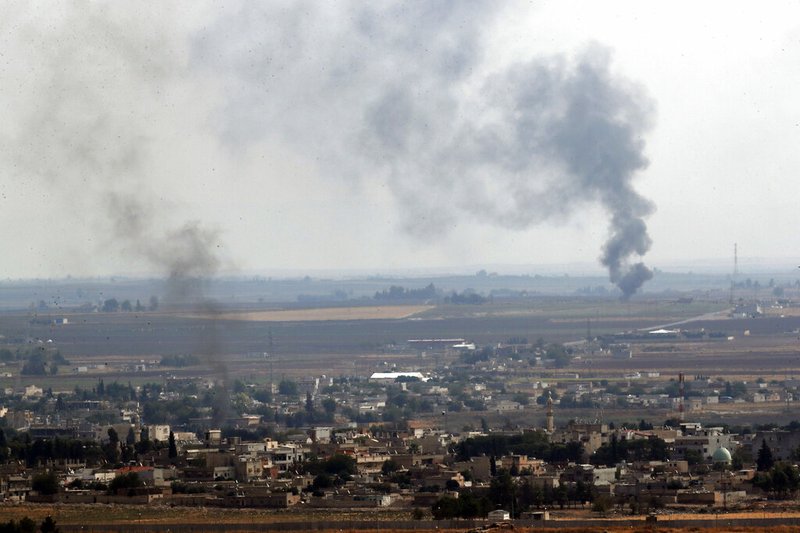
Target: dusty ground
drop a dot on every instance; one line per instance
(373, 312)
(88, 514)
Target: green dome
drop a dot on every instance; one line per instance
(722, 455)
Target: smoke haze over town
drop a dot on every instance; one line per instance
(411, 265)
(200, 139)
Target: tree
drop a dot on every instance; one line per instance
(693, 457)
(111, 305)
(650, 449)
(340, 464)
(263, 396)
(764, 461)
(389, 467)
(451, 485)
(522, 398)
(145, 445)
(782, 481)
(126, 306)
(287, 387)
(559, 353)
(309, 403)
(739, 458)
(130, 439)
(736, 389)
(45, 483)
(112, 449)
(153, 303)
(602, 504)
(48, 526)
(322, 481)
(128, 481)
(4, 449)
(545, 396)
(173, 448)
(36, 365)
(25, 525)
(446, 507)
(329, 404)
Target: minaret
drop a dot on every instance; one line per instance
(550, 423)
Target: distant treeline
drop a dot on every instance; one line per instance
(112, 305)
(179, 361)
(607, 340)
(429, 292)
(465, 298)
(611, 453)
(533, 444)
(39, 361)
(396, 292)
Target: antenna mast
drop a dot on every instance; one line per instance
(271, 355)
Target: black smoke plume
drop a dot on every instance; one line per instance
(97, 82)
(186, 255)
(401, 93)
(405, 94)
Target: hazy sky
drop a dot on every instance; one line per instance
(258, 137)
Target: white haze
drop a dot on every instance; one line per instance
(196, 139)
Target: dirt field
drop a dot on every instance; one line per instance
(162, 518)
(358, 340)
(373, 312)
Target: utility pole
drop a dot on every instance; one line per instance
(271, 362)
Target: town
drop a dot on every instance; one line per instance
(430, 429)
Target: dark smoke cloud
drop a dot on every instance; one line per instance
(585, 126)
(396, 93)
(406, 95)
(186, 255)
(96, 84)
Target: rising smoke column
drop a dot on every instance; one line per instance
(404, 94)
(186, 254)
(400, 94)
(91, 112)
(589, 125)
(543, 139)
(614, 116)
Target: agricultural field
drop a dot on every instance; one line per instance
(340, 338)
(362, 312)
(257, 345)
(99, 518)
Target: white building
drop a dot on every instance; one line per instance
(499, 514)
(158, 432)
(389, 377)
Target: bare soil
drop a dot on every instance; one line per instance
(374, 312)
